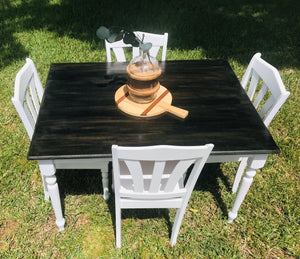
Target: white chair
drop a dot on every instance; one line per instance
(28, 94)
(267, 100)
(153, 177)
(157, 40)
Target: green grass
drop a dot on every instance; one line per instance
(64, 31)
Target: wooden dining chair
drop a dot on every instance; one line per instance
(153, 177)
(28, 94)
(157, 40)
(264, 86)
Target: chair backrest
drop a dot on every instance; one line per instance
(156, 172)
(28, 94)
(268, 98)
(157, 40)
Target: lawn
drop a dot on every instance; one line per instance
(268, 225)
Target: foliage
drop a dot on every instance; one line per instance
(113, 35)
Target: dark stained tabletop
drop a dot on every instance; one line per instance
(78, 117)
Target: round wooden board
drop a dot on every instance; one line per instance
(150, 109)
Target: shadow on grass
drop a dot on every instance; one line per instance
(208, 181)
(223, 29)
(88, 182)
(76, 182)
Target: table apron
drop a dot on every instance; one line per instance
(81, 163)
(235, 158)
(97, 163)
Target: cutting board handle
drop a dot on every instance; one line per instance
(181, 113)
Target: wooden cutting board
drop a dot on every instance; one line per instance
(161, 104)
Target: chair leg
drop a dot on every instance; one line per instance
(176, 226)
(118, 226)
(239, 174)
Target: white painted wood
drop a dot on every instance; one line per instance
(159, 171)
(95, 163)
(48, 172)
(82, 163)
(157, 40)
(136, 175)
(28, 94)
(254, 163)
(165, 203)
(52, 187)
(27, 86)
(258, 69)
(239, 174)
(177, 174)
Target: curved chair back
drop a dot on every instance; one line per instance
(272, 95)
(157, 40)
(28, 94)
(264, 86)
(154, 177)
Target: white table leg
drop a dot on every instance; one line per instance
(254, 163)
(104, 171)
(48, 172)
(46, 193)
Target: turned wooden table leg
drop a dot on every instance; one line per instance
(104, 171)
(48, 172)
(254, 163)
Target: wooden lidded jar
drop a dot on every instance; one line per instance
(143, 72)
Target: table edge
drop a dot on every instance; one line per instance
(213, 153)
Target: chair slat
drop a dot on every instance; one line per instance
(253, 85)
(33, 94)
(266, 108)
(29, 116)
(136, 171)
(119, 52)
(177, 174)
(157, 176)
(30, 106)
(260, 95)
(154, 51)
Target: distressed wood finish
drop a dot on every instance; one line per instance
(79, 118)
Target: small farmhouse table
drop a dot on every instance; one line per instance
(79, 120)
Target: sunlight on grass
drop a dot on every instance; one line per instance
(98, 242)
